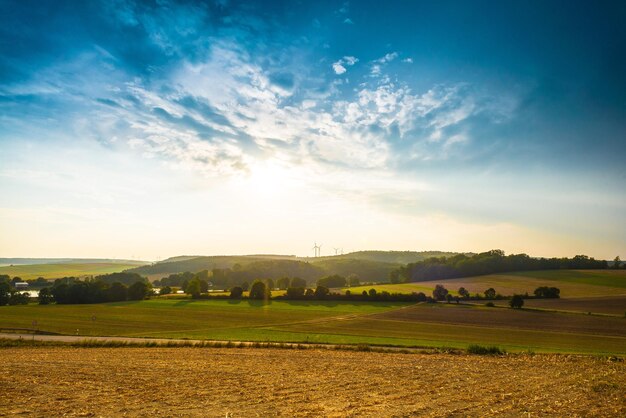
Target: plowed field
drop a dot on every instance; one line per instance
(56, 381)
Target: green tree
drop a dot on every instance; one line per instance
(283, 283)
(353, 280)
(372, 293)
(165, 290)
(138, 291)
(297, 282)
(516, 302)
(5, 293)
(440, 292)
(259, 290)
(463, 292)
(617, 262)
(194, 289)
(45, 296)
(295, 292)
(490, 293)
(236, 292)
(117, 292)
(321, 292)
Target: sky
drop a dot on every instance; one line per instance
(133, 129)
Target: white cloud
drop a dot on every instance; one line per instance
(348, 21)
(387, 58)
(408, 60)
(338, 68)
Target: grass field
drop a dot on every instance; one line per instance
(55, 271)
(331, 322)
(43, 381)
(573, 283)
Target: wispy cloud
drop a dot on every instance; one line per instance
(339, 67)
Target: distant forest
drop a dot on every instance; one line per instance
(490, 262)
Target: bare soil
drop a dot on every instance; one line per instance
(510, 318)
(69, 381)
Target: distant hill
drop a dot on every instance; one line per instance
(58, 270)
(30, 261)
(367, 265)
(393, 257)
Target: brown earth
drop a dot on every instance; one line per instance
(615, 305)
(509, 318)
(69, 381)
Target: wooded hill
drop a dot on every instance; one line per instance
(367, 265)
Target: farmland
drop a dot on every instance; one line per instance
(54, 271)
(397, 324)
(573, 283)
(261, 382)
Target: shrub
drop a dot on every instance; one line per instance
(259, 290)
(138, 291)
(372, 293)
(440, 292)
(295, 292)
(321, 292)
(482, 350)
(490, 304)
(490, 293)
(236, 292)
(548, 292)
(45, 296)
(516, 302)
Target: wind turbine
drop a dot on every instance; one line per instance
(317, 249)
(336, 250)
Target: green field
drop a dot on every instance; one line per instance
(331, 322)
(573, 283)
(55, 271)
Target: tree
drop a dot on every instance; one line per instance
(194, 289)
(165, 290)
(295, 292)
(282, 283)
(394, 276)
(45, 296)
(548, 292)
(463, 292)
(516, 302)
(117, 292)
(617, 262)
(259, 290)
(297, 282)
(321, 292)
(440, 292)
(5, 293)
(138, 291)
(449, 298)
(353, 280)
(490, 293)
(332, 281)
(372, 293)
(236, 292)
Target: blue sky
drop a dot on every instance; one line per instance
(150, 129)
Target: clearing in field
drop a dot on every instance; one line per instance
(272, 382)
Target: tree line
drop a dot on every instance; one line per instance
(490, 262)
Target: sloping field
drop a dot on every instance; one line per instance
(272, 382)
(610, 305)
(573, 283)
(379, 323)
(55, 271)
